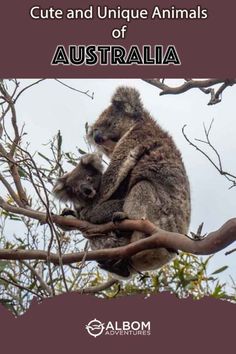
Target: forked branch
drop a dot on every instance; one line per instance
(214, 242)
(204, 85)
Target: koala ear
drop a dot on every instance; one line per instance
(127, 100)
(84, 160)
(93, 161)
(60, 185)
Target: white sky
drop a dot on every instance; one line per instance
(49, 106)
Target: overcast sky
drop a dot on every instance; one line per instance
(49, 106)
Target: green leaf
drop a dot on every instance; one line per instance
(73, 163)
(82, 152)
(19, 240)
(8, 304)
(220, 270)
(86, 127)
(3, 265)
(22, 172)
(68, 155)
(7, 214)
(59, 140)
(217, 293)
(14, 217)
(45, 158)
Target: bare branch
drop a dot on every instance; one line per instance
(203, 85)
(9, 156)
(7, 281)
(26, 88)
(10, 190)
(52, 228)
(74, 89)
(229, 176)
(231, 251)
(44, 285)
(13, 166)
(16, 140)
(98, 288)
(214, 242)
(216, 96)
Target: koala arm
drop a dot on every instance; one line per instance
(129, 150)
(103, 213)
(111, 180)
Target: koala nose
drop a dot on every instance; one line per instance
(97, 136)
(87, 190)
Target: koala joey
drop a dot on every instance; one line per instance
(81, 186)
(146, 170)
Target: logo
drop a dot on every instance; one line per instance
(95, 328)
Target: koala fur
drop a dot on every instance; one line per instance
(146, 170)
(81, 186)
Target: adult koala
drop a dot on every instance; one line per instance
(146, 169)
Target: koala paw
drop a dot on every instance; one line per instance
(68, 213)
(118, 217)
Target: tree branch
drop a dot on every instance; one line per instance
(19, 286)
(43, 284)
(74, 89)
(98, 288)
(203, 85)
(26, 88)
(217, 165)
(214, 242)
(10, 190)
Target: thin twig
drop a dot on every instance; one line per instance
(20, 287)
(26, 88)
(74, 89)
(11, 191)
(229, 176)
(39, 278)
(98, 288)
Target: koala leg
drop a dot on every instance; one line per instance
(140, 201)
(143, 202)
(102, 213)
(120, 269)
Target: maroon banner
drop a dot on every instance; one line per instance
(165, 323)
(135, 39)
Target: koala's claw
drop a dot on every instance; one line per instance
(118, 217)
(68, 212)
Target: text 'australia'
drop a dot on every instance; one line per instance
(115, 55)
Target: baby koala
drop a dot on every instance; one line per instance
(81, 186)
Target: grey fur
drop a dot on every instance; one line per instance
(86, 177)
(146, 170)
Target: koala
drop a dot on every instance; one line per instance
(146, 170)
(81, 186)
